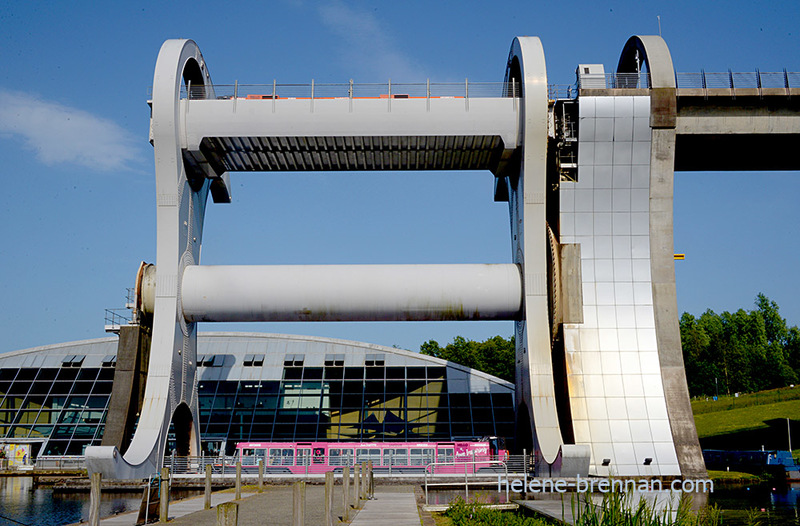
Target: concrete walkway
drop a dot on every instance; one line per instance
(389, 509)
(392, 506)
(177, 509)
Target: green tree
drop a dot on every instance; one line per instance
(495, 356)
(742, 351)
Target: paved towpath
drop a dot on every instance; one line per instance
(392, 506)
(389, 509)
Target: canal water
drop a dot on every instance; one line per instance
(21, 503)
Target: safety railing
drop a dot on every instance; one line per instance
(562, 91)
(314, 90)
(735, 80)
(730, 80)
(470, 89)
(614, 81)
(317, 465)
(114, 318)
(475, 472)
(58, 463)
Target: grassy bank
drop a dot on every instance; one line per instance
(726, 403)
(749, 421)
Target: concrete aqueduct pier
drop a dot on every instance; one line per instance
(588, 177)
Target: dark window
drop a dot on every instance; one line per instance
(502, 400)
(395, 373)
(375, 373)
(354, 373)
(106, 374)
(102, 388)
(8, 374)
(285, 416)
(19, 388)
(312, 373)
(295, 360)
(47, 374)
(461, 429)
(109, 360)
(292, 373)
(61, 388)
(82, 388)
(63, 431)
(88, 374)
(334, 360)
(334, 373)
(416, 372)
(484, 428)
(437, 373)
(395, 387)
(253, 360)
(67, 374)
(26, 374)
(481, 400)
(482, 414)
(374, 360)
(84, 432)
(56, 447)
(459, 400)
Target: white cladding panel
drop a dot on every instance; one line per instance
(618, 402)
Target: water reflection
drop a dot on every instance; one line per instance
(21, 502)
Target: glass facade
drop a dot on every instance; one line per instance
(64, 407)
(272, 396)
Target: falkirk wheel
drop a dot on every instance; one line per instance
(600, 382)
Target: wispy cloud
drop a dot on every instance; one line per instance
(367, 45)
(62, 134)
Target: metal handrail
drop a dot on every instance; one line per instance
(114, 318)
(469, 89)
(730, 80)
(349, 90)
(466, 473)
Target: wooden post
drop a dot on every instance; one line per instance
(329, 498)
(371, 482)
(299, 504)
(228, 514)
(261, 476)
(163, 508)
(346, 493)
(238, 491)
(356, 488)
(207, 505)
(94, 500)
(363, 481)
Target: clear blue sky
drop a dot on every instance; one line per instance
(77, 205)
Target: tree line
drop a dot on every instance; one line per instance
(744, 351)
